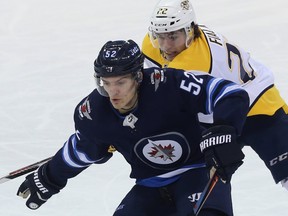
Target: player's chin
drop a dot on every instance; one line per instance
(171, 56)
(116, 103)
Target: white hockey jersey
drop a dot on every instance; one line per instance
(213, 53)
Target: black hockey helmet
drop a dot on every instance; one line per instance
(118, 58)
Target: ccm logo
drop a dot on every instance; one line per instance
(279, 159)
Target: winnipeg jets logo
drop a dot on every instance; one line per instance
(165, 152)
(85, 110)
(135, 50)
(157, 77)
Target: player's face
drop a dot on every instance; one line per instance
(122, 91)
(172, 43)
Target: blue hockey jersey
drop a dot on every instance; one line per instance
(160, 137)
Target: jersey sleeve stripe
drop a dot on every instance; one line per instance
(72, 156)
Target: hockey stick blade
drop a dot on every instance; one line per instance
(207, 190)
(23, 171)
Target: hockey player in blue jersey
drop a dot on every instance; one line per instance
(159, 136)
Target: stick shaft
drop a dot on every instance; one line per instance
(206, 192)
(23, 170)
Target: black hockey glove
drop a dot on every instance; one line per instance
(38, 186)
(222, 151)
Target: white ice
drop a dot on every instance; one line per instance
(47, 49)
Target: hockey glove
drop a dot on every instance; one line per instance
(222, 151)
(38, 186)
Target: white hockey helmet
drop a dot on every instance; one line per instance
(172, 15)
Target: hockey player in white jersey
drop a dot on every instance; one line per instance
(176, 40)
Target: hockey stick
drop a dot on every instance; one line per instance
(207, 190)
(23, 171)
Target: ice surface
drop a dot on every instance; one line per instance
(47, 49)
